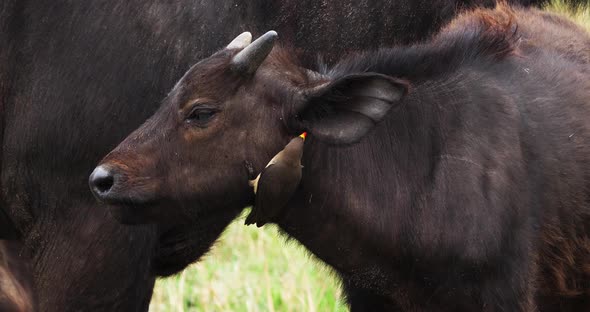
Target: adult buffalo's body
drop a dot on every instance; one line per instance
(77, 76)
(447, 176)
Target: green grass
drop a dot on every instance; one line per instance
(254, 269)
(580, 14)
(251, 269)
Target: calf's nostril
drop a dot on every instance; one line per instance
(104, 184)
(101, 181)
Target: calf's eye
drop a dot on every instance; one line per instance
(200, 116)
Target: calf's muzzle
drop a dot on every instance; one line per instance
(101, 182)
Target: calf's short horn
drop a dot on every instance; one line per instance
(249, 59)
(241, 41)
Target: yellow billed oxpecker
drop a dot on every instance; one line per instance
(277, 182)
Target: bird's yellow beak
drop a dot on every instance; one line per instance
(303, 135)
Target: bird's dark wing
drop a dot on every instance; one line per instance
(276, 186)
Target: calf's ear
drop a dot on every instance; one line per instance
(343, 111)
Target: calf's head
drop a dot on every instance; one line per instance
(233, 110)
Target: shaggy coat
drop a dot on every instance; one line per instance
(451, 175)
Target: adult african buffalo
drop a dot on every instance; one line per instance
(447, 176)
(77, 76)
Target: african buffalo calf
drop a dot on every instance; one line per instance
(452, 175)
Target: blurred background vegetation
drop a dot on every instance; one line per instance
(253, 269)
(579, 14)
